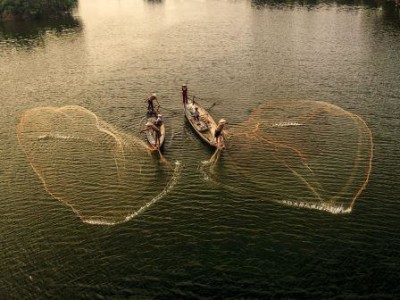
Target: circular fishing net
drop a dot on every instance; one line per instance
(300, 153)
(104, 175)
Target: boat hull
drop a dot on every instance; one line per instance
(151, 135)
(204, 127)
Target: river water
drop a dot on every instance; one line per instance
(291, 209)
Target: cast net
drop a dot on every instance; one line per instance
(104, 175)
(300, 153)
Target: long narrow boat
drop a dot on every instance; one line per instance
(151, 134)
(205, 127)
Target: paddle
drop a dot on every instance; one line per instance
(165, 108)
(212, 106)
(202, 99)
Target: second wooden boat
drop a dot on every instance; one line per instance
(205, 125)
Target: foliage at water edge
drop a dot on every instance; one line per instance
(35, 8)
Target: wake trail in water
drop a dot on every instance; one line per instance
(331, 208)
(164, 192)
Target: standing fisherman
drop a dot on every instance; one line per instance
(150, 104)
(184, 94)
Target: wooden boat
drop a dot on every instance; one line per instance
(151, 134)
(205, 127)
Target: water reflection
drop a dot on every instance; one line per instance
(385, 5)
(31, 33)
(391, 13)
(154, 1)
(259, 4)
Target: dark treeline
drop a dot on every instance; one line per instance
(35, 9)
(32, 33)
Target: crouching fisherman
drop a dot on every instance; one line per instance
(155, 131)
(159, 121)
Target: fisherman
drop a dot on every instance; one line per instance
(150, 104)
(184, 94)
(219, 131)
(196, 114)
(151, 127)
(158, 122)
